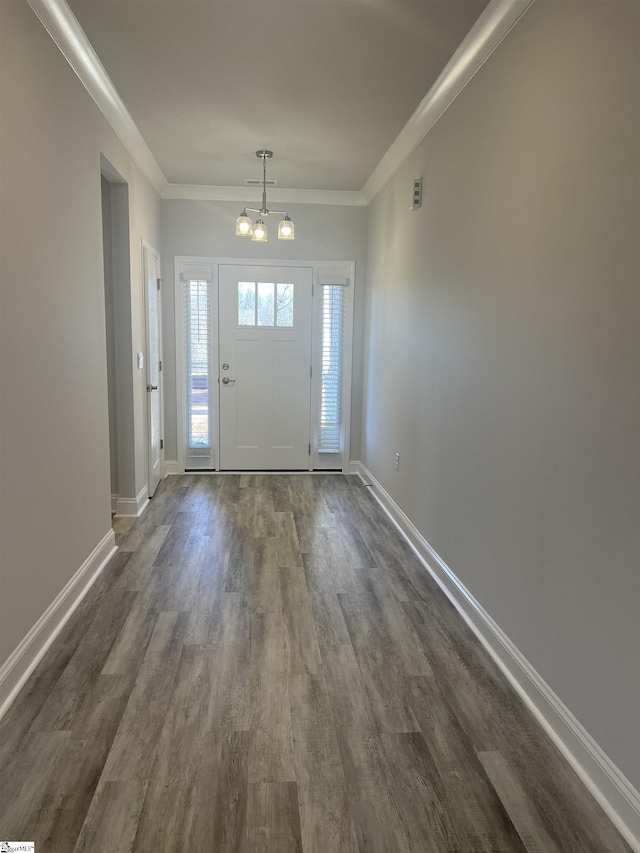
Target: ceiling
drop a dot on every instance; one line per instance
(326, 84)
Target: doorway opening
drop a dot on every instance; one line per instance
(117, 296)
(263, 365)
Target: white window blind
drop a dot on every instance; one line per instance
(333, 301)
(198, 360)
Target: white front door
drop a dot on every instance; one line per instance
(152, 318)
(265, 367)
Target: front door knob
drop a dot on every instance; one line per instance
(227, 381)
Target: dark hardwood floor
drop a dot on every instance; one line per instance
(265, 666)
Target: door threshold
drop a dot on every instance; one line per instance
(274, 471)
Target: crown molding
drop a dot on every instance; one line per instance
(248, 195)
(482, 39)
(63, 27)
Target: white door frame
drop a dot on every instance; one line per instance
(208, 269)
(213, 264)
(146, 249)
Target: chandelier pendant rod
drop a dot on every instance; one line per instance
(258, 233)
(264, 155)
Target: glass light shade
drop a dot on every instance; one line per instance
(286, 229)
(259, 232)
(244, 228)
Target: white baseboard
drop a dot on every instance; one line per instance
(171, 467)
(615, 794)
(133, 507)
(24, 659)
(354, 466)
(114, 503)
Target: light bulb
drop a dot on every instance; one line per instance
(286, 229)
(259, 232)
(243, 225)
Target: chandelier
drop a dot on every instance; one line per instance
(258, 231)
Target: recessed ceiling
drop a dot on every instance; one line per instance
(326, 84)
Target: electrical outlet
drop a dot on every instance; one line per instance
(397, 461)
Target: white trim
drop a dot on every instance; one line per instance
(133, 507)
(179, 264)
(63, 27)
(244, 472)
(347, 368)
(615, 794)
(491, 27)
(179, 365)
(345, 275)
(181, 261)
(171, 466)
(355, 467)
(147, 249)
(486, 34)
(268, 262)
(279, 195)
(30, 651)
(114, 503)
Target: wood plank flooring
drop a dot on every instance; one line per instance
(265, 666)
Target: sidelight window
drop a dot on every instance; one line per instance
(198, 360)
(333, 311)
(331, 389)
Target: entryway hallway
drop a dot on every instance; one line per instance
(266, 666)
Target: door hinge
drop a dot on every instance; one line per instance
(158, 280)
(160, 366)
(309, 448)
(162, 444)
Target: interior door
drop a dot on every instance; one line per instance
(265, 367)
(152, 300)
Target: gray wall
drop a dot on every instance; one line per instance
(207, 229)
(501, 339)
(54, 440)
(509, 306)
